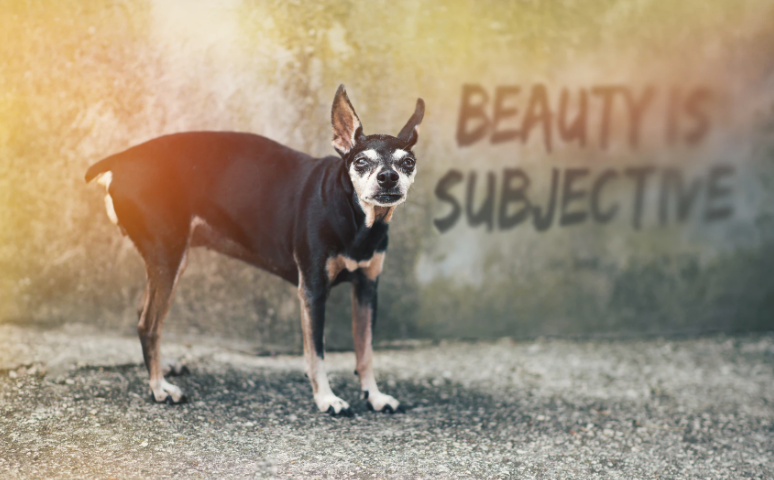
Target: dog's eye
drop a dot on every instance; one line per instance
(361, 164)
(408, 164)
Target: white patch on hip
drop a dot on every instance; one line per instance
(105, 179)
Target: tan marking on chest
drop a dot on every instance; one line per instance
(373, 212)
(371, 267)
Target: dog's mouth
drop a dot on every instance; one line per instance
(388, 198)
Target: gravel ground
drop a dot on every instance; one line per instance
(74, 404)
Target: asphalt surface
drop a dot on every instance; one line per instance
(75, 404)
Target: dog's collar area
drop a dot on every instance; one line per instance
(371, 212)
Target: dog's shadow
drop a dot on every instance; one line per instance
(290, 391)
(268, 398)
(280, 393)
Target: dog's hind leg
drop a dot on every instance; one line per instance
(152, 207)
(164, 269)
(144, 299)
(169, 366)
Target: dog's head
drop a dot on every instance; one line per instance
(382, 167)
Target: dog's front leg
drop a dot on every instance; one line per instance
(363, 320)
(313, 296)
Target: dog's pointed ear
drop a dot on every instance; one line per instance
(410, 132)
(346, 126)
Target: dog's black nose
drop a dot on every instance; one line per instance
(387, 178)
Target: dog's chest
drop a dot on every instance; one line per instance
(371, 267)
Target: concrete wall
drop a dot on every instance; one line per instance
(663, 210)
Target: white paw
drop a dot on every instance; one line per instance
(164, 391)
(173, 368)
(381, 402)
(332, 404)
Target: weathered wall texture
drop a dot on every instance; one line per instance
(663, 207)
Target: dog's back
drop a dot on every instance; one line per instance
(236, 193)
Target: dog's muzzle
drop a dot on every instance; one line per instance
(388, 199)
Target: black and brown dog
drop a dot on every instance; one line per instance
(316, 222)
